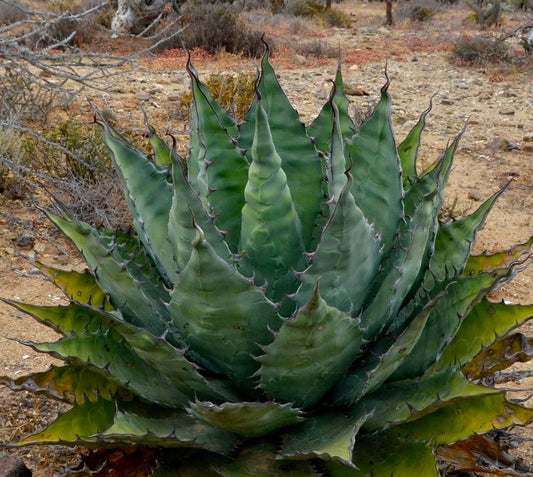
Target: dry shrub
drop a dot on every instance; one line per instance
(214, 27)
(233, 92)
(73, 25)
(69, 161)
(480, 50)
(10, 14)
(24, 99)
(317, 48)
(311, 9)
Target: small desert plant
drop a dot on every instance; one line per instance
(214, 27)
(317, 48)
(22, 98)
(480, 50)
(312, 9)
(420, 14)
(287, 304)
(70, 162)
(484, 13)
(233, 92)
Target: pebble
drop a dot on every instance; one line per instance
(300, 59)
(25, 239)
(353, 89)
(474, 195)
(447, 102)
(511, 145)
(11, 466)
(528, 137)
(507, 112)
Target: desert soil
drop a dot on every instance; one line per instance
(496, 147)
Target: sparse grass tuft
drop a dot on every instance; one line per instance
(233, 92)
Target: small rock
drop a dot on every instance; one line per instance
(25, 239)
(10, 466)
(528, 137)
(353, 89)
(446, 102)
(299, 59)
(510, 145)
(474, 195)
(507, 112)
(144, 97)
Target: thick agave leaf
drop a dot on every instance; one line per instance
(260, 460)
(445, 319)
(79, 286)
(403, 267)
(487, 262)
(432, 182)
(408, 150)
(224, 165)
(328, 436)
(346, 260)
(500, 355)
(377, 185)
(462, 419)
(162, 153)
(248, 419)
(310, 353)
(336, 170)
(222, 315)
(271, 233)
(149, 197)
(320, 129)
(121, 269)
(76, 426)
(293, 146)
(410, 399)
(453, 243)
(186, 215)
(378, 457)
(485, 323)
(381, 360)
(72, 383)
(66, 320)
(145, 424)
(110, 353)
(156, 352)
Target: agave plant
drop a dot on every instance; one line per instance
(288, 302)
